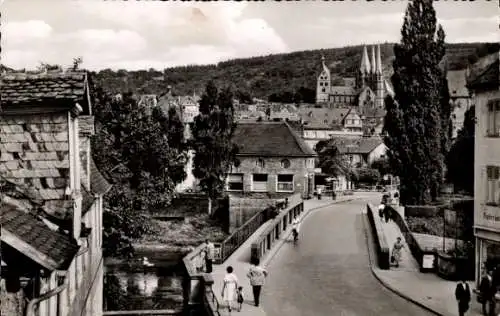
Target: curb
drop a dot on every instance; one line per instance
(385, 284)
(288, 232)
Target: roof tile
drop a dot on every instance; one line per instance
(27, 227)
(270, 139)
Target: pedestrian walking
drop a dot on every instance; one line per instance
(319, 190)
(229, 288)
(487, 291)
(381, 210)
(209, 256)
(240, 299)
(462, 294)
(257, 276)
(295, 229)
(397, 252)
(387, 214)
(200, 263)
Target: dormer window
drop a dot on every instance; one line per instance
(260, 163)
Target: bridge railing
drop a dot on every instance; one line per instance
(238, 237)
(272, 233)
(383, 250)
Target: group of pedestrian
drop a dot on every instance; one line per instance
(232, 291)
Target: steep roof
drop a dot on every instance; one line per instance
(484, 74)
(343, 90)
(51, 90)
(315, 117)
(50, 249)
(457, 83)
(270, 139)
(363, 145)
(98, 184)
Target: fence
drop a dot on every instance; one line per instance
(272, 233)
(236, 239)
(418, 253)
(197, 287)
(380, 240)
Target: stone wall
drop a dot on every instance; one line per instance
(272, 167)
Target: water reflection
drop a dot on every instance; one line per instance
(135, 286)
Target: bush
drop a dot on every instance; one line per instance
(424, 210)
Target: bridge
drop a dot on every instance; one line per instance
(339, 266)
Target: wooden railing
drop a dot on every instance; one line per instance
(272, 233)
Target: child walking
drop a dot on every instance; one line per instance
(239, 292)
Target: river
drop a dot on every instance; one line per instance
(154, 285)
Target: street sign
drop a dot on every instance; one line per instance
(428, 261)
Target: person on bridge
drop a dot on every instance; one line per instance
(295, 228)
(257, 276)
(209, 255)
(396, 252)
(229, 288)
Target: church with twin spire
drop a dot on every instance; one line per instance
(366, 91)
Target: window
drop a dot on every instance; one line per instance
(323, 90)
(285, 163)
(260, 163)
(235, 182)
(259, 183)
(492, 189)
(325, 121)
(285, 183)
(493, 123)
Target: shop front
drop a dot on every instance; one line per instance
(487, 233)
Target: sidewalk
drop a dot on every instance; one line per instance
(424, 289)
(240, 259)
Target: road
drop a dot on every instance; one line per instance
(327, 272)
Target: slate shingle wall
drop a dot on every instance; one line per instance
(34, 152)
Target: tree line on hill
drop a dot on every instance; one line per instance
(277, 77)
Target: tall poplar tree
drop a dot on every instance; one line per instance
(212, 132)
(417, 120)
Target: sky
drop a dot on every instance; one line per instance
(136, 35)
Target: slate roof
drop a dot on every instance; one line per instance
(52, 89)
(484, 74)
(457, 83)
(363, 145)
(314, 118)
(98, 183)
(270, 139)
(54, 250)
(343, 90)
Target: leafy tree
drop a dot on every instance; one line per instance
(132, 146)
(415, 119)
(367, 175)
(331, 161)
(244, 97)
(460, 159)
(382, 165)
(212, 133)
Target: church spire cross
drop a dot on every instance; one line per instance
(365, 62)
(379, 60)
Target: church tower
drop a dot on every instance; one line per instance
(379, 80)
(323, 84)
(364, 70)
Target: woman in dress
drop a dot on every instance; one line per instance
(229, 288)
(396, 251)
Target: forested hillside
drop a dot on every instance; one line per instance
(284, 75)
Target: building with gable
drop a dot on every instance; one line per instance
(460, 97)
(484, 83)
(324, 123)
(51, 197)
(273, 163)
